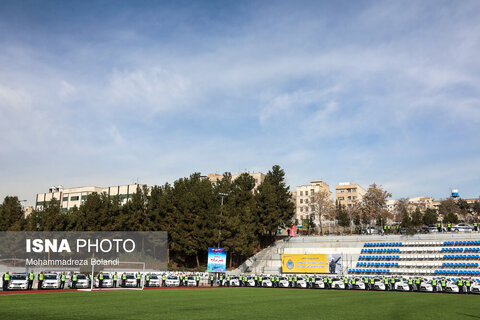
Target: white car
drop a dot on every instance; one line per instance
(107, 281)
(401, 286)
(475, 288)
(18, 281)
(172, 281)
(319, 284)
(283, 283)
(267, 283)
(338, 283)
(426, 286)
(301, 283)
(378, 285)
(234, 281)
(462, 227)
(372, 230)
(154, 280)
(451, 287)
(83, 282)
(131, 281)
(359, 284)
(250, 282)
(51, 281)
(190, 281)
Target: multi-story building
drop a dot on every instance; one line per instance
(71, 197)
(392, 205)
(421, 203)
(303, 194)
(27, 210)
(348, 193)
(258, 176)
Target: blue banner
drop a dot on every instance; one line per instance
(217, 260)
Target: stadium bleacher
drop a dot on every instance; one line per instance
(427, 258)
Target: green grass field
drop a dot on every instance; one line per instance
(238, 303)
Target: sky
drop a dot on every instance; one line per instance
(114, 92)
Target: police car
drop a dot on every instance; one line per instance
(301, 283)
(426, 286)
(131, 280)
(319, 284)
(190, 281)
(378, 284)
(172, 281)
(18, 281)
(107, 281)
(234, 281)
(338, 283)
(401, 286)
(83, 282)
(462, 227)
(267, 282)
(451, 287)
(475, 288)
(250, 282)
(283, 283)
(154, 280)
(51, 281)
(359, 284)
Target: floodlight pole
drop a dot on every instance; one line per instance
(221, 213)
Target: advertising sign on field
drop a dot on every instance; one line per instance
(217, 260)
(312, 263)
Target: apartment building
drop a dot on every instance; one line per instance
(348, 193)
(258, 176)
(71, 197)
(302, 198)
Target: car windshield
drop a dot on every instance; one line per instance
(191, 278)
(172, 278)
(106, 276)
(51, 277)
(153, 276)
(130, 276)
(19, 277)
(81, 277)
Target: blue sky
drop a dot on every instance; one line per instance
(105, 93)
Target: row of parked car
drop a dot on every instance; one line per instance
(358, 283)
(461, 227)
(53, 280)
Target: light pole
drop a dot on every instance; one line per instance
(221, 213)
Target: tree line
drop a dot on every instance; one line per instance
(190, 210)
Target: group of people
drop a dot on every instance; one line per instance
(276, 281)
(349, 283)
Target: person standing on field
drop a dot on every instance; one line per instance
(31, 277)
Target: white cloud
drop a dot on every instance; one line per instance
(155, 89)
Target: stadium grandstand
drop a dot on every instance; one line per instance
(431, 255)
